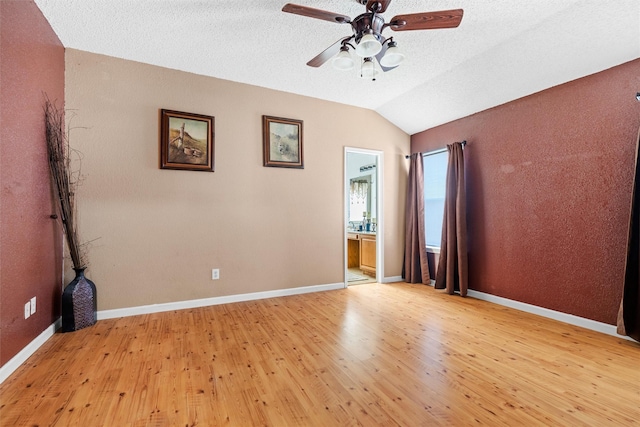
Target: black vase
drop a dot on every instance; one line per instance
(79, 305)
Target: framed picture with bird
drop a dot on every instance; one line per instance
(186, 141)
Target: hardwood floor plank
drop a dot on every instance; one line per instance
(394, 354)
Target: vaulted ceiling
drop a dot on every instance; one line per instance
(502, 50)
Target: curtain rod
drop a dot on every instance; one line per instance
(440, 150)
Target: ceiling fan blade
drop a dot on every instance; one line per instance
(316, 13)
(328, 53)
(380, 4)
(426, 20)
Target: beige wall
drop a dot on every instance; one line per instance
(160, 232)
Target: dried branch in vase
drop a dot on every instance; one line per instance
(65, 179)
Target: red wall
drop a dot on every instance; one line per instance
(549, 186)
(31, 63)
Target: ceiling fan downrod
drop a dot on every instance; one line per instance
(374, 6)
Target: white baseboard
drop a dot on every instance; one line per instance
(392, 279)
(204, 302)
(16, 361)
(551, 314)
(593, 325)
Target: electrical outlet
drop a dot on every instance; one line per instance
(215, 274)
(33, 305)
(27, 310)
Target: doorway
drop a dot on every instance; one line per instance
(363, 214)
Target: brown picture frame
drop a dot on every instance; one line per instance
(187, 141)
(282, 142)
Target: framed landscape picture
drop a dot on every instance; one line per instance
(282, 142)
(186, 141)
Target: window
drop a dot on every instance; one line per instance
(435, 176)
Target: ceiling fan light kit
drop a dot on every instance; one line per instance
(369, 70)
(343, 60)
(367, 28)
(392, 57)
(369, 46)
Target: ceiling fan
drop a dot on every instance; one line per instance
(367, 36)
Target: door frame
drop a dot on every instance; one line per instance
(379, 210)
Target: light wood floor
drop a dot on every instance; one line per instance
(365, 279)
(369, 355)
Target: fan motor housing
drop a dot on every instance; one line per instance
(361, 23)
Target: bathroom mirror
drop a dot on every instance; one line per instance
(362, 190)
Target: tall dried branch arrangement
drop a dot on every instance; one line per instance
(65, 178)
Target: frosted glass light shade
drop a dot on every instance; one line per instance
(392, 57)
(343, 61)
(368, 46)
(369, 70)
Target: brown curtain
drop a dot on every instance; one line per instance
(415, 268)
(629, 314)
(452, 270)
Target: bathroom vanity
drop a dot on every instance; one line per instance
(361, 247)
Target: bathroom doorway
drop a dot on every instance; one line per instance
(363, 237)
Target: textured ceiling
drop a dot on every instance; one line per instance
(502, 50)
